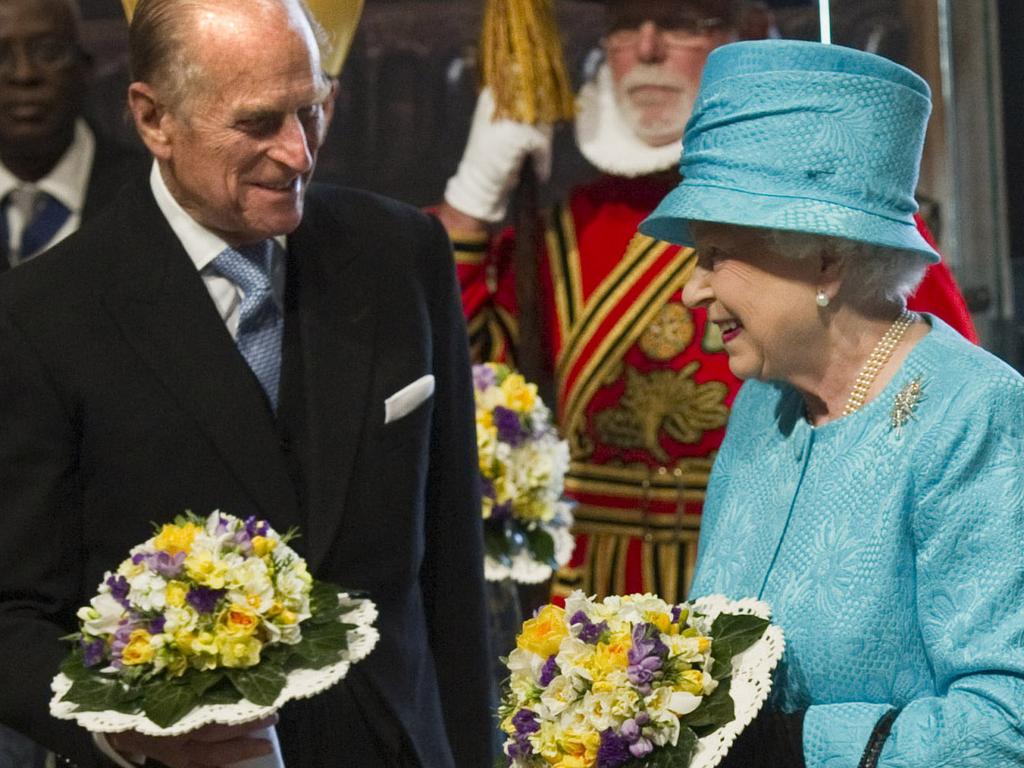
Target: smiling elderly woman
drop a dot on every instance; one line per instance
(870, 484)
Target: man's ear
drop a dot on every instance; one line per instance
(329, 104)
(152, 120)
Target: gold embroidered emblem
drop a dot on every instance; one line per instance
(669, 333)
(904, 404)
(663, 401)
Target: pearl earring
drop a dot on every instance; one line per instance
(821, 298)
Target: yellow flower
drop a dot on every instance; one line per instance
(610, 657)
(138, 650)
(579, 749)
(519, 395)
(240, 651)
(543, 634)
(263, 546)
(691, 681)
(238, 621)
(173, 539)
(206, 570)
(662, 621)
(176, 591)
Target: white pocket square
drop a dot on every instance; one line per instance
(408, 398)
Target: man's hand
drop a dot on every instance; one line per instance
(490, 165)
(212, 746)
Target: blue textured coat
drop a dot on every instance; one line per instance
(893, 559)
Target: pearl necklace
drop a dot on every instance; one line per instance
(877, 359)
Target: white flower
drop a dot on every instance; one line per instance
(177, 619)
(147, 591)
(251, 585)
(102, 617)
(560, 693)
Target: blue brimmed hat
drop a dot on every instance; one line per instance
(804, 137)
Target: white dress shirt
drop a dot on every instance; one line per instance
(67, 182)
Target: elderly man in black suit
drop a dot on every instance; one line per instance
(225, 337)
(56, 171)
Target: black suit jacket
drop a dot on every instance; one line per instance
(123, 400)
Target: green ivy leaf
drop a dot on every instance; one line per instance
(321, 644)
(715, 711)
(201, 682)
(671, 756)
(222, 693)
(542, 545)
(323, 603)
(733, 633)
(497, 544)
(261, 684)
(95, 694)
(166, 703)
(74, 667)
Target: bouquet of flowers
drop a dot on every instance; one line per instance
(634, 682)
(523, 464)
(210, 620)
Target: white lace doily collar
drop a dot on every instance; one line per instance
(607, 141)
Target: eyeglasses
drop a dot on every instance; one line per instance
(674, 32)
(43, 53)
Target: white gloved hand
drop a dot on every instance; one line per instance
(490, 165)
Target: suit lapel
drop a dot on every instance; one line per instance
(336, 290)
(164, 310)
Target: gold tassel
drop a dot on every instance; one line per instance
(522, 62)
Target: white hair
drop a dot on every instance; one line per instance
(872, 274)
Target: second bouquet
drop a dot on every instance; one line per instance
(523, 463)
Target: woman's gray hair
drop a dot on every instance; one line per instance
(872, 274)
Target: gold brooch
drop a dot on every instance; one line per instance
(904, 404)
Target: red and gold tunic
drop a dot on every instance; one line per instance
(643, 385)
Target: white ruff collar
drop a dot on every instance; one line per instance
(607, 141)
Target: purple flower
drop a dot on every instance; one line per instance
(632, 733)
(254, 527)
(613, 751)
(548, 671)
(525, 721)
(676, 613)
(645, 658)
(204, 599)
(501, 512)
(509, 426)
(119, 589)
(641, 747)
(519, 749)
(483, 377)
(163, 563)
(92, 652)
(122, 636)
(156, 626)
(590, 632)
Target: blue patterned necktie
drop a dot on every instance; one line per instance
(260, 323)
(43, 214)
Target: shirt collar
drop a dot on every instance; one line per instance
(201, 245)
(68, 180)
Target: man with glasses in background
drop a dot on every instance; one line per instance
(643, 388)
(55, 171)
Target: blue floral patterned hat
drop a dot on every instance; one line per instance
(805, 137)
